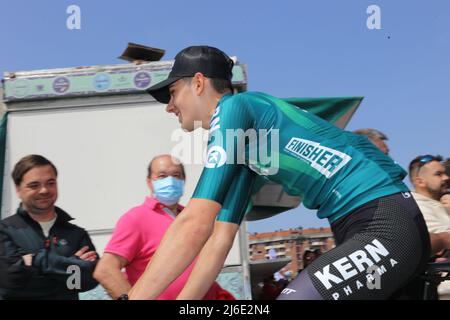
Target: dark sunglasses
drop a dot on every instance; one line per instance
(423, 160)
(426, 158)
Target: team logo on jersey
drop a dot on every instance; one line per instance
(215, 157)
(325, 160)
(406, 195)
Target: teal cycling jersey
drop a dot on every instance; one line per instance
(255, 137)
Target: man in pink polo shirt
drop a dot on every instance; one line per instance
(139, 231)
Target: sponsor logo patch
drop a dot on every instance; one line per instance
(325, 160)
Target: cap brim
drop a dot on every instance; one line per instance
(160, 91)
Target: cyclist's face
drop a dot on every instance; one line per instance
(38, 190)
(184, 103)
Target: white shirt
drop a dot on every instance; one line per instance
(437, 219)
(47, 225)
(435, 214)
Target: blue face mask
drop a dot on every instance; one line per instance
(168, 190)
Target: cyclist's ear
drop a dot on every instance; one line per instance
(199, 82)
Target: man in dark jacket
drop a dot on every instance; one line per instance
(42, 254)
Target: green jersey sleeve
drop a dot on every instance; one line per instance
(237, 200)
(225, 155)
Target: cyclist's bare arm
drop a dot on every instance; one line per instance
(210, 261)
(180, 245)
(108, 273)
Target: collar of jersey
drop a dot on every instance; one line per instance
(225, 97)
(222, 99)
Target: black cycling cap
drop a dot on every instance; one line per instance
(210, 61)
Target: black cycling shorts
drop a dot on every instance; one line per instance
(381, 247)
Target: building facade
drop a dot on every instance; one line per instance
(290, 244)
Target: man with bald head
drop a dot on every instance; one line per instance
(427, 174)
(445, 199)
(139, 231)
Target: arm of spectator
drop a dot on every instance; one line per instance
(108, 273)
(445, 200)
(85, 254)
(59, 267)
(91, 257)
(210, 261)
(439, 241)
(14, 271)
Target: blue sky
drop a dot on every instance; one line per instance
(292, 48)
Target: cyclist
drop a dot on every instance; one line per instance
(382, 240)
